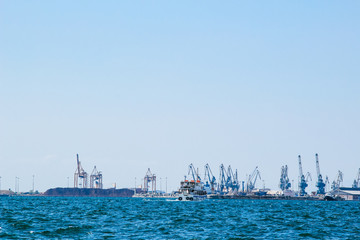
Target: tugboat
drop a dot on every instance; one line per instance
(191, 191)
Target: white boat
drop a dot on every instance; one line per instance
(191, 191)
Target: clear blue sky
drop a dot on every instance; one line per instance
(135, 84)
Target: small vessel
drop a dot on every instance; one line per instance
(329, 197)
(191, 191)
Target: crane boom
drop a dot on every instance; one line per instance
(308, 175)
(222, 178)
(300, 167)
(236, 179)
(339, 179)
(209, 178)
(80, 174)
(317, 165)
(78, 163)
(284, 179)
(320, 182)
(252, 179)
(192, 171)
(302, 180)
(356, 183)
(232, 179)
(229, 179)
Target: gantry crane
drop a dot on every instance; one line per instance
(210, 180)
(96, 179)
(303, 180)
(320, 182)
(252, 180)
(356, 183)
(81, 175)
(284, 179)
(149, 178)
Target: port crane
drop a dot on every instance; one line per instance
(320, 182)
(193, 172)
(236, 180)
(252, 180)
(327, 182)
(222, 178)
(210, 180)
(284, 179)
(339, 179)
(232, 180)
(303, 180)
(149, 178)
(356, 183)
(81, 175)
(96, 179)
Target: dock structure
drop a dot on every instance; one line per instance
(228, 184)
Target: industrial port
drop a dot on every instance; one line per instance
(226, 186)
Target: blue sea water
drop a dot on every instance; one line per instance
(128, 218)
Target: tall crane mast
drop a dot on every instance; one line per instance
(193, 172)
(210, 180)
(229, 178)
(327, 182)
(80, 174)
(356, 183)
(302, 180)
(79, 168)
(222, 178)
(284, 179)
(300, 167)
(236, 180)
(320, 182)
(232, 181)
(339, 179)
(252, 180)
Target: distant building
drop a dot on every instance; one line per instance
(351, 194)
(6, 192)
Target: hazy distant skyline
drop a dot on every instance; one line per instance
(137, 85)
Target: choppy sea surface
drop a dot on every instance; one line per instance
(129, 218)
